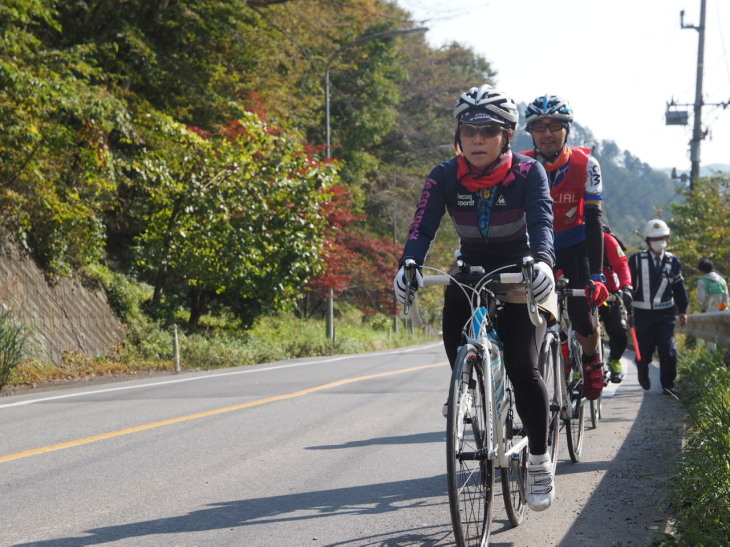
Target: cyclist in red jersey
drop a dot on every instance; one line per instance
(575, 186)
(614, 314)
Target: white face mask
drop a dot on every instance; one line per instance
(658, 246)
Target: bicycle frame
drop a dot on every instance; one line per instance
(480, 431)
(478, 330)
(574, 400)
(498, 388)
(566, 326)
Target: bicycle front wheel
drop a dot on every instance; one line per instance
(469, 469)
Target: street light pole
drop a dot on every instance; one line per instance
(330, 298)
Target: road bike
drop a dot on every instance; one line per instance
(484, 433)
(571, 357)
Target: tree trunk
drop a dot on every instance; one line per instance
(198, 303)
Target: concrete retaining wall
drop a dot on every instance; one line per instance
(65, 316)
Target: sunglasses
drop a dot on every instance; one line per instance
(487, 131)
(540, 127)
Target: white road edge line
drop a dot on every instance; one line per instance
(214, 374)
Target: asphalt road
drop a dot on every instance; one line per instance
(330, 451)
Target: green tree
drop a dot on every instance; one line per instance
(238, 219)
(701, 226)
(56, 169)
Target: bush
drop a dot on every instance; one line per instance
(702, 481)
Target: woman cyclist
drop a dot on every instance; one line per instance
(500, 205)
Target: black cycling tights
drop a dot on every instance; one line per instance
(574, 263)
(522, 341)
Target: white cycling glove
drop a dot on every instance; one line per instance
(543, 281)
(399, 285)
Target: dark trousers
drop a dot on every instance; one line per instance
(522, 342)
(655, 330)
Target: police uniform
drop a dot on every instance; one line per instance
(659, 292)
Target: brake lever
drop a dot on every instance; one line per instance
(528, 272)
(409, 267)
(591, 292)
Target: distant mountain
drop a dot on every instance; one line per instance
(705, 170)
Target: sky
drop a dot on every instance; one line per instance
(617, 62)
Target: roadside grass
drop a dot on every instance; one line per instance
(15, 344)
(149, 348)
(701, 485)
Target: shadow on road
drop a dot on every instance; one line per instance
(337, 503)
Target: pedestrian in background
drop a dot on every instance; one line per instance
(711, 287)
(711, 290)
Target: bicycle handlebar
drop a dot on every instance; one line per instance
(480, 279)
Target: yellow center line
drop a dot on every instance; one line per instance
(197, 415)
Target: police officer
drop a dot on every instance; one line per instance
(659, 292)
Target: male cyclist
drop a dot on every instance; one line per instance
(576, 189)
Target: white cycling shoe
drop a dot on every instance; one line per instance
(540, 489)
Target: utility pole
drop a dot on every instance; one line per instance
(697, 133)
(681, 117)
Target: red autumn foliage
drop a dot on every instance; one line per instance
(358, 266)
(202, 133)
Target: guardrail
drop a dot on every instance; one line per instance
(711, 327)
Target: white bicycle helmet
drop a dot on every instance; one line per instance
(486, 104)
(548, 106)
(656, 228)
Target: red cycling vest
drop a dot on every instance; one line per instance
(569, 195)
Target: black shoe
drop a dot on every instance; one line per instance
(645, 382)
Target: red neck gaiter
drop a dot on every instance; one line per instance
(476, 181)
(561, 160)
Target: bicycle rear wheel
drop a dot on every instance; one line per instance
(514, 476)
(576, 425)
(551, 367)
(575, 416)
(596, 404)
(470, 471)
